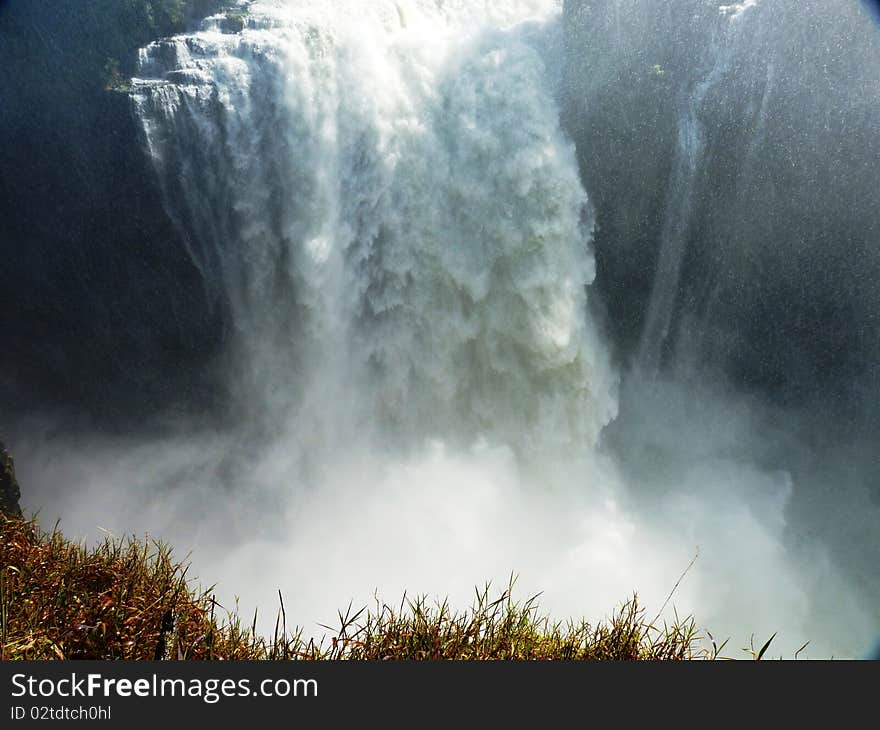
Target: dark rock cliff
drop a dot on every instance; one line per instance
(101, 308)
(738, 142)
(9, 491)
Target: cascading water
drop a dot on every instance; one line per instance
(384, 197)
(417, 221)
(387, 199)
(726, 148)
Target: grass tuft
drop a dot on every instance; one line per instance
(130, 599)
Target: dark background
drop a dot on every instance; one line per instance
(101, 310)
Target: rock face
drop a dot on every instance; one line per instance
(101, 307)
(9, 492)
(724, 148)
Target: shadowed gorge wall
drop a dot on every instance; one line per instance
(100, 308)
(730, 152)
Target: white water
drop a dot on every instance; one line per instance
(383, 194)
(396, 215)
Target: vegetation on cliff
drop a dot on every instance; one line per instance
(130, 599)
(100, 37)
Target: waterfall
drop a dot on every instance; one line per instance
(385, 197)
(439, 245)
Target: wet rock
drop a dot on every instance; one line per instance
(9, 491)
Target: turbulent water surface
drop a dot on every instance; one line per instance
(506, 282)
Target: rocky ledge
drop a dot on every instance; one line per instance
(9, 491)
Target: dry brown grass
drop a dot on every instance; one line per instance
(129, 599)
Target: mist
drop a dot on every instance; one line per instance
(583, 293)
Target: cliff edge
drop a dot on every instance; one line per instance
(9, 491)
